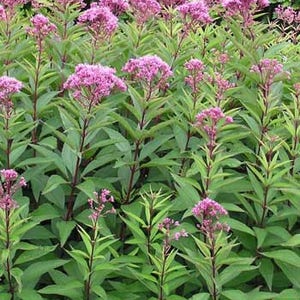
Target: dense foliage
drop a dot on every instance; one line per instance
(149, 150)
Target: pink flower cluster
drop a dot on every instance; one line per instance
(116, 6)
(171, 3)
(287, 14)
(91, 83)
(3, 16)
(98, 204)
(195, 13)
(195, 68)
(41, 27)
(100, 21)
(243, 8)
(166, 226)
(268, 69)
(150, 69)
(8, 187)
(208, 120)
(221, 84)
(210, 211)
(8, 86)
(143, 10)
(12, 3)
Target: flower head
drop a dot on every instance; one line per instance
(166, 226)
(99, 203)
(91, 83)
(151, 70)
(195, 13)
(208, 120)
(143, 10)
(8, 87)
(209, 212)
(116, 6)
(100, 21)
(286, 14)
(268, 69)
(41, 27)
(8, 186)
(195, 68)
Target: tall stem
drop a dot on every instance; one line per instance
(34, 137)
(74, 181)
(214, 293)
(7, 246)
(90, 267)
(8, 142)
(162, 275)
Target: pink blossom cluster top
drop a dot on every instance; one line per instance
(41, 26)
(100, 20)
(116, 6)
(98, 204)
(166, 226)
(267, 69)
(143, 10)
(196, 74)
(213, 115)
(12, 3)
(210, 211)
(237, 6)
(91, 83)
(9, 86)
(150, 69)
(196, 11)
(9, 185)
(287, 14)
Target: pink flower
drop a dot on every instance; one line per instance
(268, 69)
(210, 211)
(195, 12)
(91, 83)
(8, 187)
(116, 6)
(195, 68)
(149, 69)
(287, 14)
(166, 226)
(41, 28)
(221, 84)
(100, 21)
(3, 16)
(99, 203)
(208, 120)
(12, 3)
(143, 10)
(8, 87)
(171, 3)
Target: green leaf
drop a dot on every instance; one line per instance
(53, 182)
(65, 228)
(33, 273)
(237, 225)
(294, 241)
(26, 294)
(33, 254)
(267, 271)
(69, 289)
(285, 256)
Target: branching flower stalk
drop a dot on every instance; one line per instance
(9, 185)
(193, 14)
(101, 23)
(98, 208)
(8, 87)
(152, 72)
(209, 212)
(41, 28)
(166, 227)
(90, 84)
(210, 121)
(267, 69)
